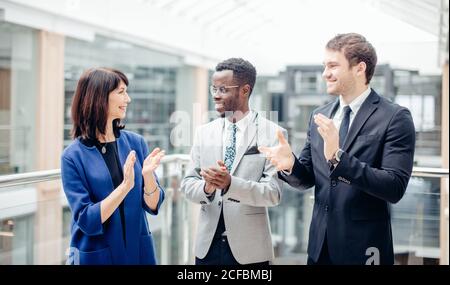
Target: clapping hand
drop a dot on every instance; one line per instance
(329, 133)
(216, 177)
(128, 171)
(152, 162)
(281, 155)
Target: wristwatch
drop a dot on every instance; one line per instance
(336, 157)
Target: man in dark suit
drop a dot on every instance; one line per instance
(359, 156)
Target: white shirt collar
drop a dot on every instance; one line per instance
(357, 102)
(242, 123)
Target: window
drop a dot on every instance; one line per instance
(18, 74)
(153, 83)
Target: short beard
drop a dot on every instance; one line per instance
(229, 110)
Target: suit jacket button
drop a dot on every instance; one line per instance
(220, 203)
(333, 183)
(326, 208)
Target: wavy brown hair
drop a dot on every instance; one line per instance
(90, 102)
(356, 49)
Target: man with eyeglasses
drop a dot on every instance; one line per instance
(229, 178)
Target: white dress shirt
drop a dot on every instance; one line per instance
(355, 105)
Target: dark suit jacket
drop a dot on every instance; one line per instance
(352, 201)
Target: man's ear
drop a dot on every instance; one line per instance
(361, 68)
(246, 90)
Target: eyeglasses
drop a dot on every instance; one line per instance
(222, 89)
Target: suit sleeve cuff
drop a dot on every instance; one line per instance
(209, 196)
(231, 187)
(337, 169)
(91, 222)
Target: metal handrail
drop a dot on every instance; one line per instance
(430, 172)
(46, 175)
(53, 174)
(29, 177)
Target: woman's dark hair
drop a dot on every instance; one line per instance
(90, 102)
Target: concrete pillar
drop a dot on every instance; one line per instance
(48, 146)
(5, 114)
(191, 106)
(444, 237)
(192, 103)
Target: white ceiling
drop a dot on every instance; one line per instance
(281, 32)
(270, 33)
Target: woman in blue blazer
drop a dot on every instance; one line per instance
(108, 176)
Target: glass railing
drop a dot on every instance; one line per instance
(415, 221)
(35, 219)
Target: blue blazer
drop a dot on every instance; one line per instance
(87, 181)
(351, 205)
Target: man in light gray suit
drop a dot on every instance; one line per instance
(231, 180)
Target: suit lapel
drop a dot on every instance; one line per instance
(332, 109)
(123, 149)
(366, 110)
(247, 138)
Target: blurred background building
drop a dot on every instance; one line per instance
(168, 49)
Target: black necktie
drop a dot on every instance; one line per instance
(343, 129)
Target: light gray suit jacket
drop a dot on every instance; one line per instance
(254, 187)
